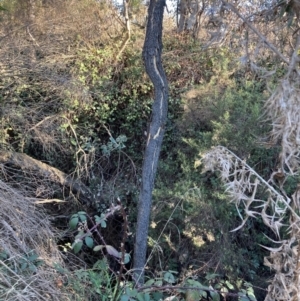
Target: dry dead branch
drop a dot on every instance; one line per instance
(27, 165)
(243, 184)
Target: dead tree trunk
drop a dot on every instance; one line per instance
(152, 59)
(34, 169)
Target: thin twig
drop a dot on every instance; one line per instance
(262, 37)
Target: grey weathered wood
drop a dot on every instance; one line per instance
(152, 59)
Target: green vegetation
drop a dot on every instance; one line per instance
(67, 102)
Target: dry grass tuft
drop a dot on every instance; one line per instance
(27, 248)
(283, 109)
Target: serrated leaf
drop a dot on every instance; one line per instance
(89, 241)
(77, 246)
(73, 223)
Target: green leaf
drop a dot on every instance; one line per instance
(250, 294)
(131, 292)
(77, 246)
(140, 296)
(3, 255)
(82, 217)
(211, 276)
(89, 241)
(32, 268)
(112, 140)
(39, 263)
(192, 295)
(203, 294)
(157, 296)
(80, 234)
(59, 268)
(146, 297)
(124, 298)
(73, 142)
(243, 297)
(215, 296)
(195, 283)
(103, 224)
(290, 19)
(73, 223)
(229, 285)
(282, 11)
(98, 248)
(24, 266)
(33, 257)
(97, 219)
(168, 277)
(149, 282)
(126, 258)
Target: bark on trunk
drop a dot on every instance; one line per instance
(152, 60)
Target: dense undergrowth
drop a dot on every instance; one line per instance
(68, 102)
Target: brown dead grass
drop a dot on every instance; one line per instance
(25, 228)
